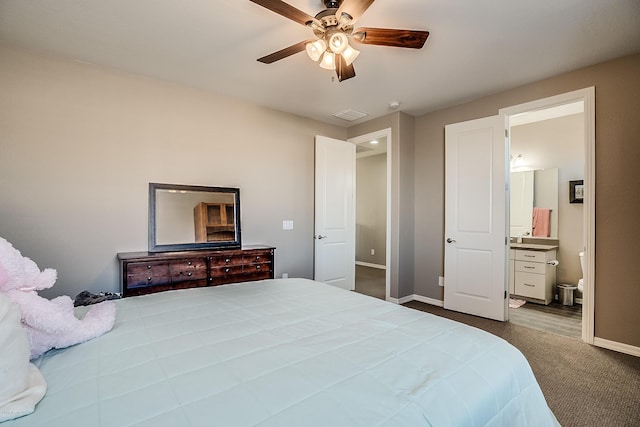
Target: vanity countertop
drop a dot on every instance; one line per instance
(533, 246)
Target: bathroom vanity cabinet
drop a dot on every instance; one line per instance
(531, 274)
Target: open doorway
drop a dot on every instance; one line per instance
(372, 213)
(552, 146)
(547, 153)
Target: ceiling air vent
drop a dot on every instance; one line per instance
(350, 115)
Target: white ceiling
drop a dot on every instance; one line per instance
(476, 47)
(371, 148)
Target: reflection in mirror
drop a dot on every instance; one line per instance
(521, 203)
(529, 190)
(193, 217)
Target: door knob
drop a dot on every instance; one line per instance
(320, 237)
(450, 240)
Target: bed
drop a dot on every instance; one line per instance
(285, 352)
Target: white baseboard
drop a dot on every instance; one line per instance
(402, 300)
(419, 298)
(617, 346)
(427, 300)
(368, 264)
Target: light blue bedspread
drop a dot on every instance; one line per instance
(287, 352)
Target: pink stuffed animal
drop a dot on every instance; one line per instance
(4, 276)
(49, 323)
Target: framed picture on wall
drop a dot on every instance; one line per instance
(576, 191)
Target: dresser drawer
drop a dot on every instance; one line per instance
(533, 256)
(226, 270)
(147, 274)
(256, 257)
(256, 268)
(224, 260)
(190, 269)
(225, 274)
(530, 285)
(531, 267)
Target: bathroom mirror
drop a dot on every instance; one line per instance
(530, 189)
(185, 217)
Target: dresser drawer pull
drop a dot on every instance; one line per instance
(189, 263)
(257, 258)
(149, 278)
(529, 256)
(527, 284)
(530, 268)
(257, 267)
(227, 260)
(148, 267)
(189, 274)
(226, 270)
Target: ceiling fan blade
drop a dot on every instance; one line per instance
(285, 10)
(343, 70)
(413, 39)
(354, 8)
(283, 53)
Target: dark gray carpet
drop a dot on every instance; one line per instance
(584, 385)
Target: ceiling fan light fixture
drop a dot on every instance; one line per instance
(350, 55)
(316, 26)
(328, 61)
(316, 49)
(338, 42)
(333, 29)
(344, 19)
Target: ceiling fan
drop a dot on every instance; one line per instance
(333, 28)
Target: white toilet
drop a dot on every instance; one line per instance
(581, 281)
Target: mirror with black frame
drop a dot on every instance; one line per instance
(186, 217)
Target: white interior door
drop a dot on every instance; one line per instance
(335, 248)
(476, 218)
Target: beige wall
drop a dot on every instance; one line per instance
(371, 209)
(79, 145)
(558, 143)
(617, 294)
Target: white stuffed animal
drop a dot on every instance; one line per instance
(49, 323)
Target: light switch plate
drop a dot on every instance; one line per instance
(287, 224)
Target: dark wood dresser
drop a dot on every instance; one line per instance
(148, 272)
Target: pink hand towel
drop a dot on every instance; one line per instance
(541, 222)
